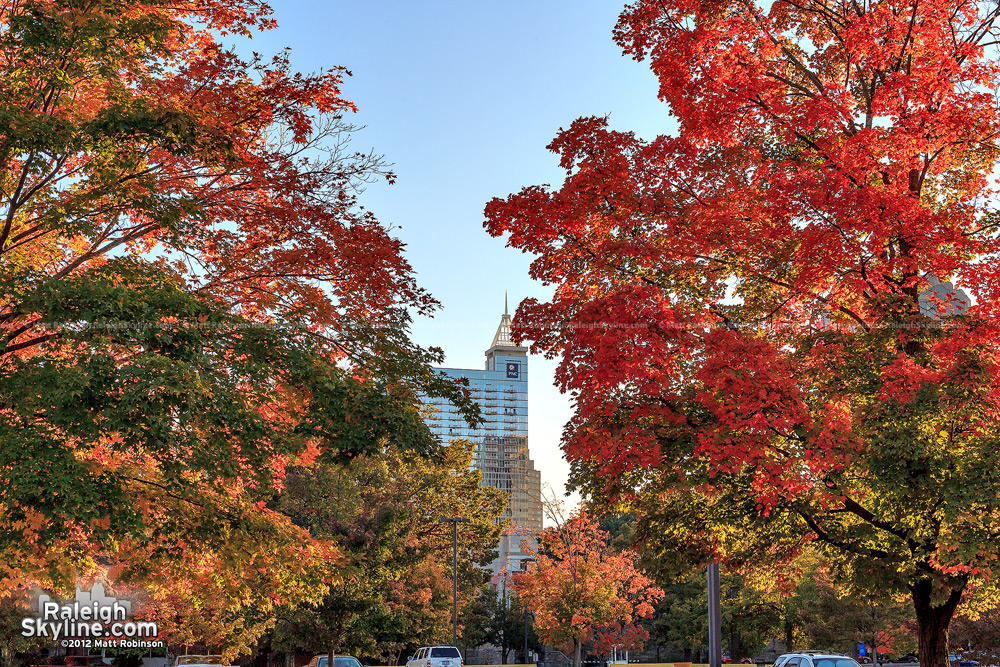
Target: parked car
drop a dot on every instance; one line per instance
(75, 661)
(814, 659)
(726, 658)
(338, 661)
(435, 656)
(958, 660)
(199, 661)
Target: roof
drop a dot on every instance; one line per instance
(503, 336)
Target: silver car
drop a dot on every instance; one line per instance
(814, 659)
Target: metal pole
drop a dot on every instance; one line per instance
(524, 567)
(526, 634)
(454, 583)
(454, 575)
(714, 618)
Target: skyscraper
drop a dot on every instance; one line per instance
(501, 441)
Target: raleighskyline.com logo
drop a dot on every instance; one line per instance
(93, 614)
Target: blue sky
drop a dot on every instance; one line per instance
(463, 97)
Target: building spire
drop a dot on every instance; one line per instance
(503, 335)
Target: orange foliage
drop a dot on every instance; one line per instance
(580, 589)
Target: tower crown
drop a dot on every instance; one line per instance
(503, 335)
(503, 341)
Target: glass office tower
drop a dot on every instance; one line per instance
(501, 440)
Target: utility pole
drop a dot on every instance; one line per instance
(454, 521)
(714, 618)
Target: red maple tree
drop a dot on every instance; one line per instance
(749, 314)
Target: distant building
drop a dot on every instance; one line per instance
(501, 441)
(941, 299)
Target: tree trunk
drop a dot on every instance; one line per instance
(577, 646)
(932, 623)
(329, 657)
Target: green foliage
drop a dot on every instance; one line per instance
(681, 620)
(825, 616)
(383, 511)
(137, 361)
(490, 619)
(807, 610)
(13, 609)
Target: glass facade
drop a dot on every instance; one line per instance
(504, 404)
(501, 440)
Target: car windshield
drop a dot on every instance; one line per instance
(200, 660)
(339, 661)
(838, 661)
(445, 652)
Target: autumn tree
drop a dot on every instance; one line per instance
(191, 298)
(982, 634)
(13, 609)
(581, 590)
(749, 312)
(752, 614)
(490, 619)
(825, 615)
(382, 511)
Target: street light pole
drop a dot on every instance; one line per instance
(714, 618)
(454, 575)
(524, 566)
(526, 634)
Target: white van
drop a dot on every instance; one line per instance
(436, 656)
